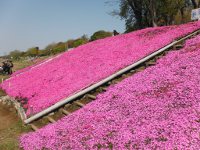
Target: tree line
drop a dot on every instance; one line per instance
(55, 48)
(139, 14)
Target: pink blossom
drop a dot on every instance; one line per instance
(158, 108)
(46, 84)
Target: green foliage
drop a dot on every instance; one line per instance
(59, 47)
(50, 46)
(16, 54)
(45, 52)
(168, 9)
(34, 51)
(140, 14)
(10, 136)
(100, 35)
(77, 42)
(70, 43)
(54, 48)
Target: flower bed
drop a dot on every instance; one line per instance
(47, 84)
(37, 63)
(158, 108)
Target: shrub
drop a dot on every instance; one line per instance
(100, 35)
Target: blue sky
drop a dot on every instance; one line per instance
(28, 23)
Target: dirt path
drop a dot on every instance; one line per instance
(7, 117)
(11, 128)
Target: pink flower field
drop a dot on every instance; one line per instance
(158, 108)
(44, 85)
(37, 64)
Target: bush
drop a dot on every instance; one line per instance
(54, 48)
(70, 43)
(16, 54)
(32, 52)
(100, 35)
(79, 42)
(59, 47)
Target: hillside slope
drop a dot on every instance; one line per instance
(158, 108)
(45, 85)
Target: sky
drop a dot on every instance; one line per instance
(29, 23)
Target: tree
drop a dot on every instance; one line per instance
(194, 3)
(140, 14)
(70, 43)
(168, 9)
(80, 41)
(34, 51)
(54, 48)
(58, 48)
(44, 52)
(16, 54)
(100, 35)
(50, 46)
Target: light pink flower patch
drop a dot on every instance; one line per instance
(46, 84)
(158, 108)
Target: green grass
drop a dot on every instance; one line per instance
(10, 136)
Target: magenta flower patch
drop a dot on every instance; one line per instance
(158, 108)
(46, 84)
